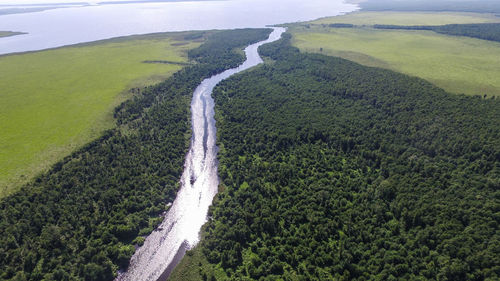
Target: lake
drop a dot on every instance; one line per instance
(66, 26)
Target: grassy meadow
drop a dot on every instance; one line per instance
(457, 64)
(54, 101)
(409, 18)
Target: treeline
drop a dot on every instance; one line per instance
(83, 218)
(341, 25)
(405, 27)
(335, 171)
(485, 31)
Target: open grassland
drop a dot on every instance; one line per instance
(457, 64)
(409, 18)
(54, 101)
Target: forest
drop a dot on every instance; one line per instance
(485, 31)
(341, 25)
(331, 170)
(83, 219)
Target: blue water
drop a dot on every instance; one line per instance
(66, 26)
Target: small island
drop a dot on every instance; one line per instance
(10, 33)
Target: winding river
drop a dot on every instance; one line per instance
(179, 231)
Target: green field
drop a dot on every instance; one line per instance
(457, 64)
(54, 101)
(409, 18)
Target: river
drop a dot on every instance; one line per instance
(179, 231)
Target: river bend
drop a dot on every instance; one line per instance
(179, 231)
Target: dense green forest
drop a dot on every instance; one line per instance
(486, 31)
(82, 219)
(332, 170)
(341, 25)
